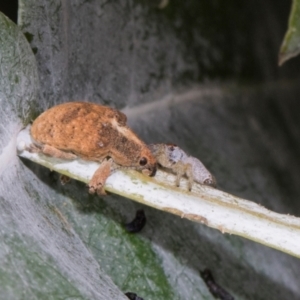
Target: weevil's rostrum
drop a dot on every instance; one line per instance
(172, 157)
(92, 132)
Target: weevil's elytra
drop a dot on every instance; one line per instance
(92, 132)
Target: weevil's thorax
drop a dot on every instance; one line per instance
(125, 151)
(160, 151)
(129, 151)
(175, 154)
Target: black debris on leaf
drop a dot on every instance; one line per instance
(138, 223)
(217, 291)
(133, 296)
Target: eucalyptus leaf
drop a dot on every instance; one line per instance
(202, 203)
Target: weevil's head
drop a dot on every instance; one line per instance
(211, 181)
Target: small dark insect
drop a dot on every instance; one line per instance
(217, 291)
(64, 179)
(138, 223)
(133, 296)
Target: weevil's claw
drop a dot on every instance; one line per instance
(98, 180)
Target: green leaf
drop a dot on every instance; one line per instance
(291, 43)
(41, 257)
(19, 78)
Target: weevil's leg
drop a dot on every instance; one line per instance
(179, 169)
(98, 180)
(51, 151)
(190, 175)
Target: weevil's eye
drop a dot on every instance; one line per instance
(143, 161)
(210, 181)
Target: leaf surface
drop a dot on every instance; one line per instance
(60, 242)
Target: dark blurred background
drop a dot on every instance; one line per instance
(228, 17)
(10, 9)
